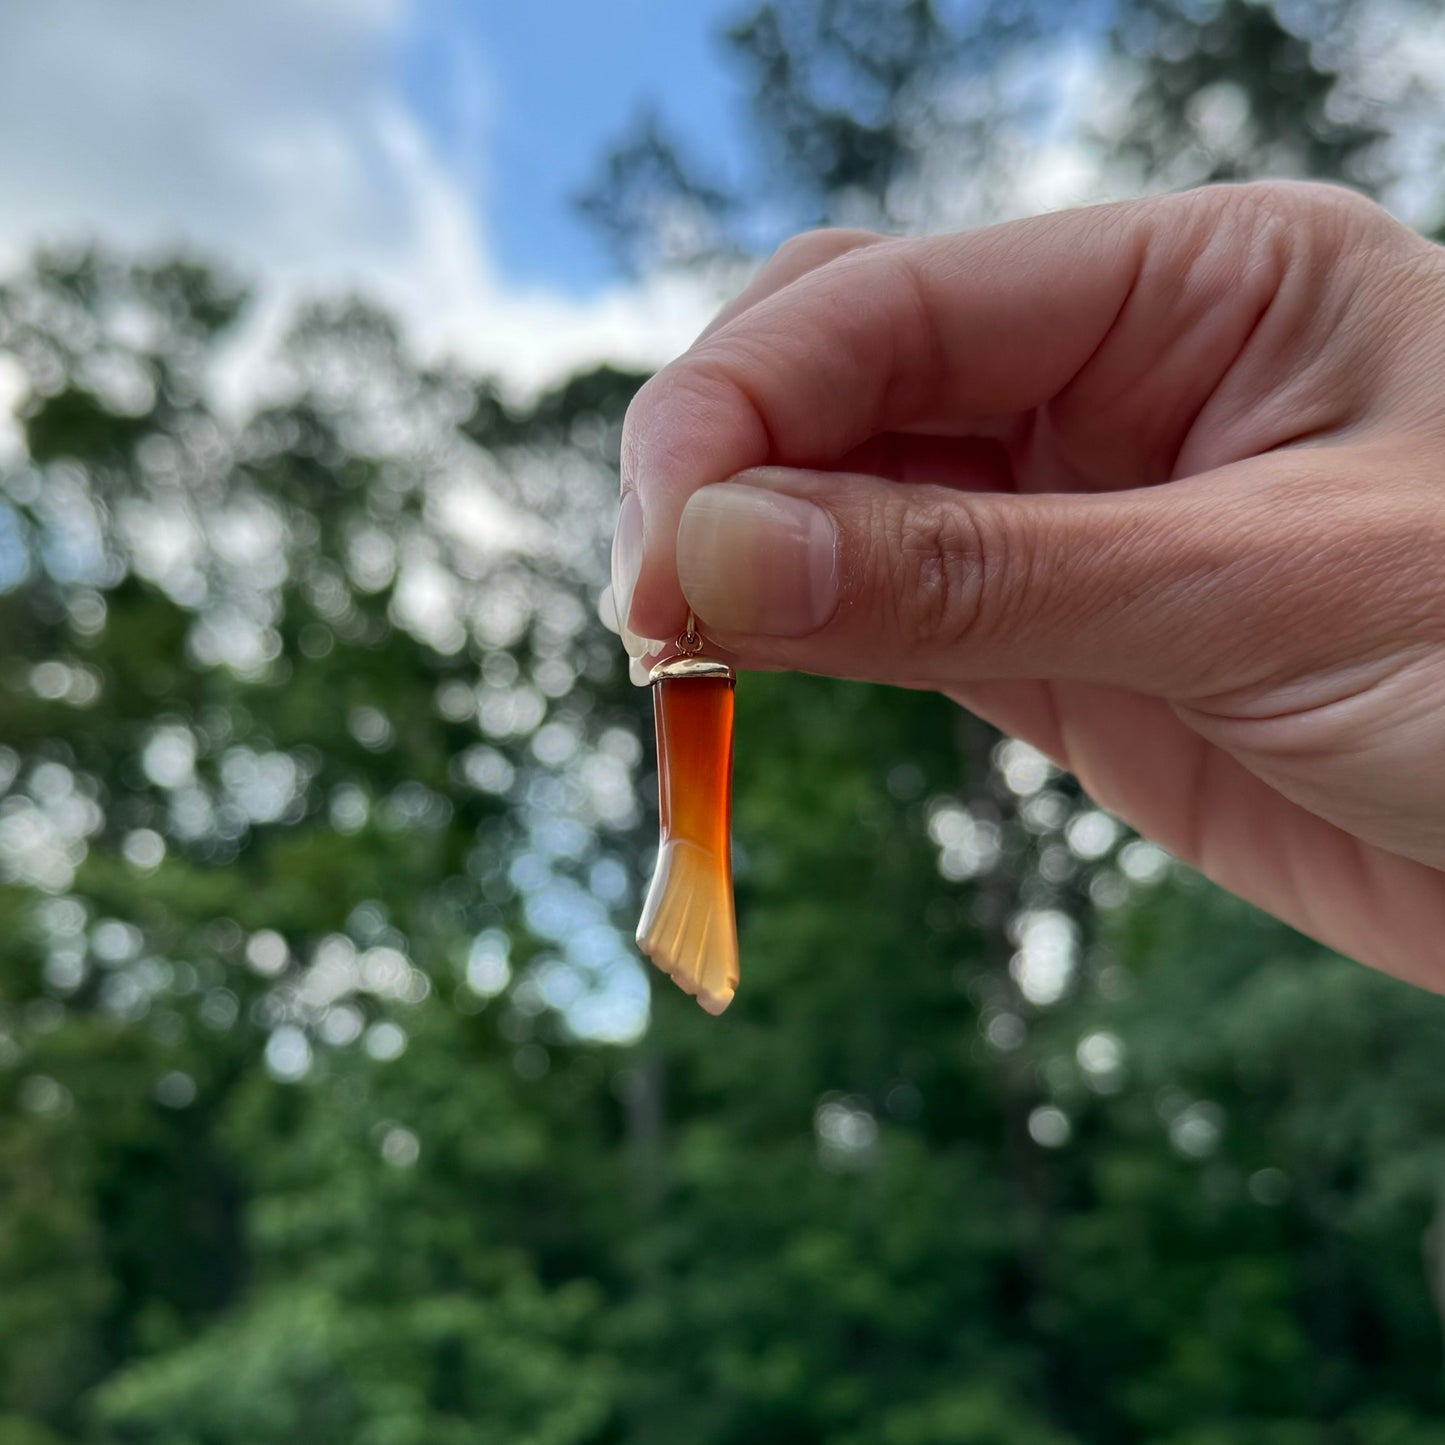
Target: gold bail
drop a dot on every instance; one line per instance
(685, 662)
(689, 641)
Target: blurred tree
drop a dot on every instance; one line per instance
(651, 207)
(902, 114)
(288, 712)
(1238, 88)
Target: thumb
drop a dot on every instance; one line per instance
(1244, 578)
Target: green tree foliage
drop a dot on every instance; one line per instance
(278, 739)
(335, 1107)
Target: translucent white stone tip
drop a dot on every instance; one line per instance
(688, 927)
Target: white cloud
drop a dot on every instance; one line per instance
(273, 134)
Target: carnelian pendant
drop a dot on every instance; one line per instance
(688, 927)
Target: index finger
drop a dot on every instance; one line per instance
(956, 334)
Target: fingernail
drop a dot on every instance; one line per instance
(638, 673)
(752, 560)
(626, 555)
(636, 646)
(607, 610)
(632, 644)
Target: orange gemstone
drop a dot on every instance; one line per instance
(688, 927)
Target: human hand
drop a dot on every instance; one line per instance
(1158, 487)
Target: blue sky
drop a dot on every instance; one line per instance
(527, 98)
(425, 152)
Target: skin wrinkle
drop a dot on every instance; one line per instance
(1323, 566)
(1344, 345)
(1255, 294)
(1416, 393)
(1276, 272)
(1297, 305)
(1168, 278)
(935, 357)
(724, 372)
(943, 577)
(728, 367)
(1408, 592)
(1044, 416)
(796, 258)
(1210, 837)
(1017, 245)
(1343, 351)
(1029, 565)
(855, 572)
(1135, 596)
(1355, 723)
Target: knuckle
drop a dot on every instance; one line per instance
(1322, 198)
(810, 249)
(703, 393)
(938, 564)
(1316, 217)
(1315, 247)
(662, 408)
(800, 250)
(678, 389)
(637, 421)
